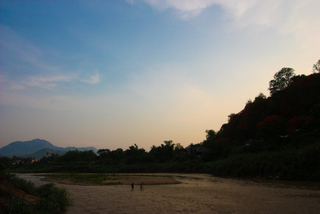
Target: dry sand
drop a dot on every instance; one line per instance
(196, 193)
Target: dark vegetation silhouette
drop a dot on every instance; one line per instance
(19, 196)
(316, 67)
(274, 137)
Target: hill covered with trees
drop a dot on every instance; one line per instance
(275, 137)
(35, 148)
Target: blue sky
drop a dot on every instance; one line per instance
(111, 74)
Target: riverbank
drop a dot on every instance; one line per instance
(195, 193)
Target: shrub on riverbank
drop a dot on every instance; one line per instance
(23, 197)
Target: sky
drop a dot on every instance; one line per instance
(111, 74)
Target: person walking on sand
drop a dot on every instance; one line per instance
(132, 186)
(141, 186)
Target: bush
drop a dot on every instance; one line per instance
(24, 185)
(53, 199)
(18, 206)
(5, 163)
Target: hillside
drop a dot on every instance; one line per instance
(285, 113)
(44, 152)
(20, 148)
(276, 136)
(35, 148)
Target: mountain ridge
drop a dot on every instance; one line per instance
(29, 148)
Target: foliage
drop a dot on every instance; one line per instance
(51, 199)
(291, 164)
(282, 79)
(5, 163)
(271, 126)
(78, 156)
(297, 123)
(24, 185)
(261, 96)
(163, 153)
(18, 206)
(316, 67)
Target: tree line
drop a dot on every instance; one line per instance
(275, 136)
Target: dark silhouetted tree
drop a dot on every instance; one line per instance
(261, 96)
(78, 156)
(164, 152)
(281, 80)
(178, 147)
(211, 135)
(316, 67)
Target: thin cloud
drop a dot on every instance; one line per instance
(289, 17)
(49, 82)
(46, 82)
(187, 9)
(94, 79)
(184, 6)
(17, 86)
(23, 50)
(302, 22)
(234, 9)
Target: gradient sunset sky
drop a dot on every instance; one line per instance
(111, 74)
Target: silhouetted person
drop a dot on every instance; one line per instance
(132, 186)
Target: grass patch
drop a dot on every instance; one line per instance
(107, 179)
(84, 178)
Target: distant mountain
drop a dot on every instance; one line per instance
(44, 152)
(31, 148)
(20, 148)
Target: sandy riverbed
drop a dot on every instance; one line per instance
(196, 193)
